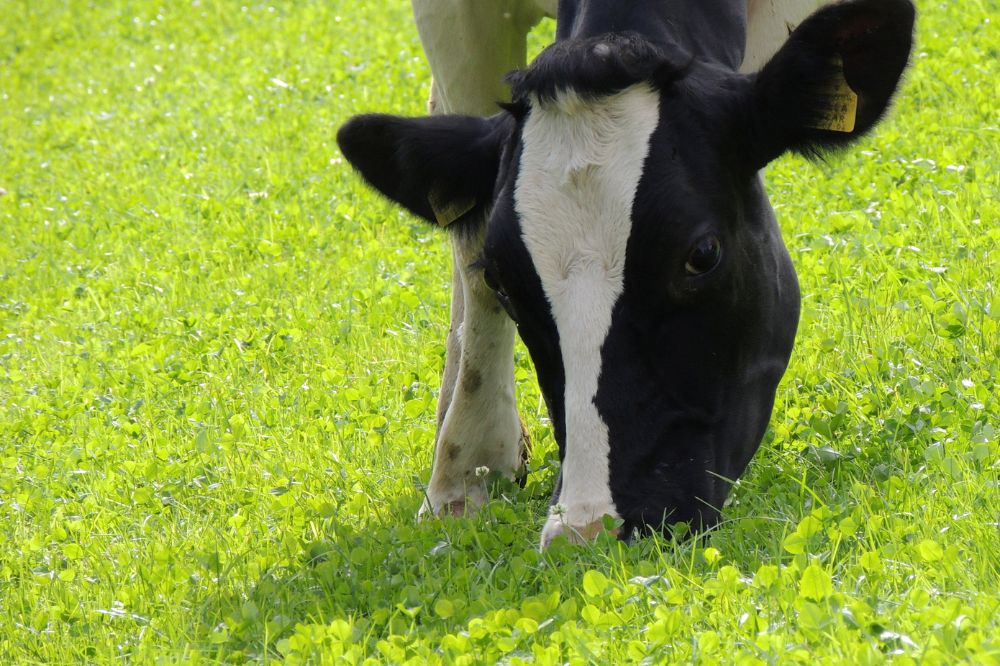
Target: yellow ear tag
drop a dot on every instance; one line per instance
(841, 105)
(447, 211)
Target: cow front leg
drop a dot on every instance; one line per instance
(479, 430)
(453, 343)
(470, 44)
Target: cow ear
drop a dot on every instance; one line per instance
(441, 168)
(832, 80)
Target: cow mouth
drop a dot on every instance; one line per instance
(677, 521)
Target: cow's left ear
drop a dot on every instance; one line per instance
(441, 168)
(831, 81)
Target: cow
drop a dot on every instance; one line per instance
(611, 212)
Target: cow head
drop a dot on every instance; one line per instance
(630, 239)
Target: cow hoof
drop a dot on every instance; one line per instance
(456, 508)
(575, 532)
(465, 506)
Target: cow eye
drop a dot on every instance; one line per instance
(704, 256)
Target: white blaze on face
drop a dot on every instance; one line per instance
(581, 163)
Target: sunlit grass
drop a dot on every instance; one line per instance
(219, 357)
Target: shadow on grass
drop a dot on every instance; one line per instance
(384, 575)
(392, 575)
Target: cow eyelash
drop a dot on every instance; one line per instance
(504, 300)
(483, 266)
(489, 279)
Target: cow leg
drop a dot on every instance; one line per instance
(470, 45)
(479, 428)
(453, 344)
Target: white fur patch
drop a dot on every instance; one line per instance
(581, 163)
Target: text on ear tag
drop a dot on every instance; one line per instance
(447, 211)
(840, 105)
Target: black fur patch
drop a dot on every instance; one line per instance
(597, 66)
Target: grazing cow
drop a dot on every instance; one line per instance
(613, 214)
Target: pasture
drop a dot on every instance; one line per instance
(219, 357)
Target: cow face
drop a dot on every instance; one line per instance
(647, 276)
(629, 238)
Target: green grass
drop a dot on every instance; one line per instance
(219, 357)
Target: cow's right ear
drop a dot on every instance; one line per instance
(441, 168)
(832, 80)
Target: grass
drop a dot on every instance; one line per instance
(219, 357)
